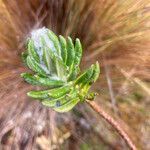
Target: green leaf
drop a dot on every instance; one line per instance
(31, 50)
(70, 52)
(74, 68)
(30, 78)
(96, 71)
(67, 106)
(53, 102)
(63, 45)
(78, 52)
(53, 62)
(55, 41)
(53, 93)
(60, 67)
(35, 66)
(85, 77)
(51, 82)
(71, 75)
(62, 100)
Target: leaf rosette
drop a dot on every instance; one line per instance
(54, 62)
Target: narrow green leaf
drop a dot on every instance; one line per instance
(49, 81)
(35, 66)
(71, 74)
(53, 93)
(85, 77)
(96, 71)
(47, 59)
(30, 78)
(67, 106)
(31, 50)
(78, 56)
(70, 52)
(61, 68)
(53, 102)
(55, 41)
(95, 75)
(42, 81)
(53, 61)
(85, 86)
(62, 100)
(63, 45)
(78, 52)
(74, 68)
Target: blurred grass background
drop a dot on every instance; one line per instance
(114, 32)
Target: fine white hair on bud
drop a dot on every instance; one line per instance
(36, 36)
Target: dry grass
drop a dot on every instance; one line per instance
(115, 32)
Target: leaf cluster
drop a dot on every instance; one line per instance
(55, 64)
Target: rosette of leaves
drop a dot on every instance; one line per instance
(55, 64)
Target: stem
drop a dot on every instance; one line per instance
(110, 120)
